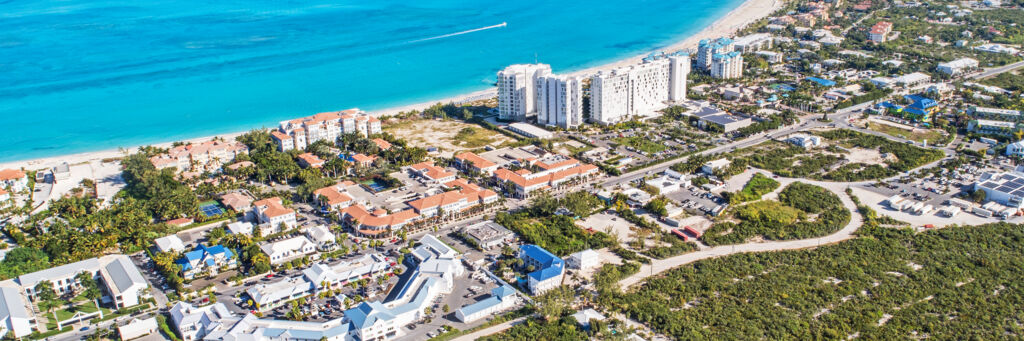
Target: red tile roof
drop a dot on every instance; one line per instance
(11, 174)
(475, 160)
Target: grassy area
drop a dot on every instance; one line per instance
(88, 307)
(802, 211)
(447, 134)
(641, 143)
(930, 135)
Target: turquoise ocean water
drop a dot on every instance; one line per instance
(88, 75)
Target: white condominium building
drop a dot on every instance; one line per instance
(560, 101)
(639, 90)
(727, 65)
(708, 48)
(325, 126)
(753, 42)
(517, 85)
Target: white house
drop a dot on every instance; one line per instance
(240, 227)
(137, 328)
(958, 66)
(804, 140)
(123, 280)
(583, 260)
(288, 249)
(1015, 149)
(712, 166)
(13, 179)
(169, 243)
(320, 235)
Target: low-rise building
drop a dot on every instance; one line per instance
(123, 281)
(530, 130)
(376, 223)
(502, 298)
(288, 249)
(958, 67)
(488, 234)
(310, 160)
(14, 180)
(804, 140)
(548, 268)
(206, 156)
(1006, 188)
(237, 201)
(321, 235)
(992, 127)
(240, 227)
(136, 328)
(997, 114)
(712, 166)
(326, 126)
(206, 261)
(334, 197)
(584, 260)
(468, 161)
(879, 32)
(432, 173)
(169, 243)
(554, 171)
(272, 215)
(16, 316)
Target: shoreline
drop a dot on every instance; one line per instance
(747, 12)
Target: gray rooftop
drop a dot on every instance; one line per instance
(63, 271)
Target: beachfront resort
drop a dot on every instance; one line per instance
(828, 150)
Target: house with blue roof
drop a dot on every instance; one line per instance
(921, 108)
(207, 261)
(548, 268)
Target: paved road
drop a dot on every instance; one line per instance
(660, 265)
(997, 70)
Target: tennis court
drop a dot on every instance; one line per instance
(374, 185)
(211, 208)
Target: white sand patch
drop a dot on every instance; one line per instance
(885, 318)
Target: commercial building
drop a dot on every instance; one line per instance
(488, 234)
(377, 222)
(123, 281)
(638, 91)
(433, 174)
(804, 140)
(555, 170)
(584, 260)
(958, 67)
(468, 161)
(272, 215)
(334, 197)
(714, 165)
(517, 87)
(453, 201)
(502, 298)
(753, 42)
(727, 65)
(549, 269)
(879, 32)
(317, 278)
(560, 101)
(530, 131)
(288, 249)
(321, 236)
(14, 180)
(206, 260)
(137, 327)
(16, 316)
(1006, 188)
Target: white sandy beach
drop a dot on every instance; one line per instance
(749, 12)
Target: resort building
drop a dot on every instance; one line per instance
(560, 101)
(638, 91)
(549, 269)
(995, 114)
(288, 249)
(468, 161)
(727, 65)
(488, 234)
(208, 261)
(879, 33)
(517, 87)
(502, 298)
(272, 214)
(13, 180)
(707, 49)
(206, 156)
(326, 126)
(958, 67)
(433, 174)
(753, 42)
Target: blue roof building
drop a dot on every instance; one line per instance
(548, 268)
(206, 260)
